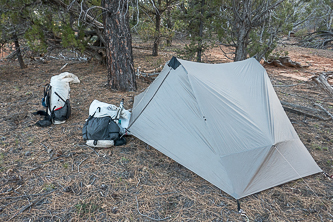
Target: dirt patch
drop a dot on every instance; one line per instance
(48, 174)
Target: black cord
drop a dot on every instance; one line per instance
(150, 99)
(59, 96)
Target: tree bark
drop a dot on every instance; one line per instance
(18, 52)
(241, 52)
(121, 75)
(169, 24)
(157, 31)
(199, 50)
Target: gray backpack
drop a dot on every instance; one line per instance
(101, 128)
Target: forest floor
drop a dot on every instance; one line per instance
(48, 174)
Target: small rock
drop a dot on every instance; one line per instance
(308, 140)
(10, 190)
(28, 153)
(68, 189)
(19, 182)
(326, 138)
(114, 210)
(59, 153)
(104, 187)
(114, 196)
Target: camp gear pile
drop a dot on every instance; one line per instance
(106, 125)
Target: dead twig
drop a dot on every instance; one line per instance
(64, 66)
(287, 85)
(91, 149)
(78, 166)
(166, 193)
(321, 80)
(53, 159)
(28, 195)
(35, 168)
(137, 207)
(26, 207)
(138, 182)
(9, 203)
(325, 110)
(302, 110)
(44, 146)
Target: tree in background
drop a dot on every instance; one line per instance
(156, 9)
(108, 21)
(197, 19)
(73, 24)
(323, 15)
(100, 28)
(78, 25)
(255, 27)
(15, 22)
(240, 19)
(317, 30)
(118, 38)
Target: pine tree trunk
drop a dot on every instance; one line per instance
(118, 37)
(157, 34)
(18, 52)
(199, 50)
(241, 52)
(169, 24)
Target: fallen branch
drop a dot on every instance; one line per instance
(137, 207)
(284, 61)
(286, 85)
(28, 195)
(35, 168)
(54, 159)
(321, 80)
(89, 148)
(166, 193)
(3, 206)
(325, 110)
(64, 66)
(78, 166)
(27, 207)
(141, 47)
(317, 39)
(302, 110)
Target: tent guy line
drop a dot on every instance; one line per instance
(132, 122)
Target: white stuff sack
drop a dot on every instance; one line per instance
(100, 143)
(60, 86)
(99, 109)
(110, 110)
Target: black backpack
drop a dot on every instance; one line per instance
(51, 114)
(102, 128)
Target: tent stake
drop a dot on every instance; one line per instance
(238, 206)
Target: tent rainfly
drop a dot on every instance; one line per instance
(225, 123)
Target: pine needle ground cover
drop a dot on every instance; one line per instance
(49, 174)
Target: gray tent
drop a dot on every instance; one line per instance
(225, 123)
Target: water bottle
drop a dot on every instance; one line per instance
(121, 129)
